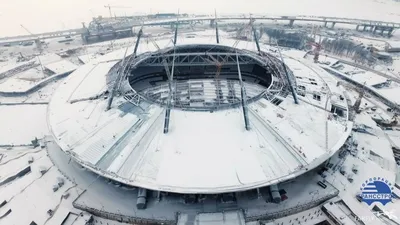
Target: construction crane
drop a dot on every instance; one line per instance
(112, 6)
(37, 40)
(38, 45)
(27, 30)
(316, 51)
(246, 29)
(317, 45)
(219, 64)
(315, 29)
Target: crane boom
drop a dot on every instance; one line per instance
(26, 29)
(113, 6)
(249, 25)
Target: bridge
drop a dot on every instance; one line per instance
(362, 25)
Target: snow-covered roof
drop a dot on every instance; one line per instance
(394, 44)
(390, 93)
(222, 218)
(33, 192)
(63, 66)
(203, 152)
(361, 76)
(338, 214)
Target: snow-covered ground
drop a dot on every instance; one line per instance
(20, 124)
(361, 76)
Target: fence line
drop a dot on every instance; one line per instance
(292, 210)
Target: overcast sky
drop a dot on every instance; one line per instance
(47, 15)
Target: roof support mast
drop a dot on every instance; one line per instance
(256, 39)
(296, 101)
(216, 27)
(170, 79)
(243, 96)
(120, 72)
(169, 103)
(137, 41)
(176, 29)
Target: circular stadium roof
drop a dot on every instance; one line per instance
(204, 151)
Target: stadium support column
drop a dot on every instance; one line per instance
(121, 71)
(259, 195)
(291, 22)
(290, 84)
(170, 96)
(243, 96)
(256, 40)
(141, 200)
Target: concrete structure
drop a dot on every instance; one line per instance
(122, 26)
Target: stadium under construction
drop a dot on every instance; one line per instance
(225, 126)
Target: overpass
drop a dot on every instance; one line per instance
(364, 25)
(47, 35)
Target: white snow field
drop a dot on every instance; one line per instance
(20, 124)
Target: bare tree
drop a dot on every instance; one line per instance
(342, 47)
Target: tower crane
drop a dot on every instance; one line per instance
(242, 32)
(36, 37)
(27, 30)
(317, 45)
(112, 6)
(38, 42)
(317, 49)
(219, 64)
(38, 45)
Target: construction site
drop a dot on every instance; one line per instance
(173, 118)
